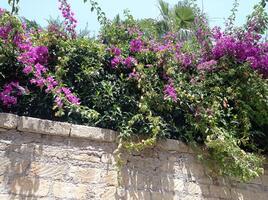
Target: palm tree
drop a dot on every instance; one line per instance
(165, 10)
(178, 18)
(184, 16)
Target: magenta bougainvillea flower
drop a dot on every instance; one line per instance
(69, 19)
(136, 45)
(115, 51)
(34, 60)
(170, 91)
(207, 66)
(130, 62)
(10, 93)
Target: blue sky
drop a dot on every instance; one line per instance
(40, 10)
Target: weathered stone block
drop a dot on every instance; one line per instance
(264, 180)
(4, 165)
(85, 157)
(193, 188)
(162, 196)
(26, 186)
(48, 171)
(34, 125)
(173, 145)
(137, 195)
(220, 192)
(86, 175)
(8, 121)
(179, 185)
(65, 190)
(110, 178)
(108, 158)
(93, 133)
(109, 194)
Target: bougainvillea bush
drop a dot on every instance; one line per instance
(209, 90)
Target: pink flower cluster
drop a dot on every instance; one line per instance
(207, 66)
(130, 62)
(5, 31)
(69, 20)
(244, 47)
(117, 59)
(2, 11)
(185, 59)
(34, 60)
(115, 51)
(10, 93)
(136, 45)
(170, 91)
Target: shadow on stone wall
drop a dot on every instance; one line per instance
(165, 175)
(19, 155)
(34, 166)
(156, 174)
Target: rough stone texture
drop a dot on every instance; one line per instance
(55, 161)
(8, 121)
(43, 126)
(93, 133)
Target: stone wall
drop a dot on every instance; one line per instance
(47, 160)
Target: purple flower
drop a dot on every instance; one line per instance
(27, 69)
(58, 101)
(134, 75)
(136, 45)
(69, 21)
(115, 51)
(134, 31)
(2, 11)
(51, 83)
(207, 66)
(184, 59)
(10, 93)
(40, 53)
(39, 69)
(170, 92)
(130, 61)
(40, 82)
(33, 55)
(116, 61)
(70, 97)
(4, 31)
(244, 47)
(216, 32)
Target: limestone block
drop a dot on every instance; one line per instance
(173, 145)
(34, 125)
(48, 171)
(178, 185)
(65, 190)
(109, 194)
(163, 196)
(86, 175)
(26, 186)
(221, 192)
(93, 133)
(137, 195)
(193, 188)
(85, 158)
(110, 178)
(8, 121)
